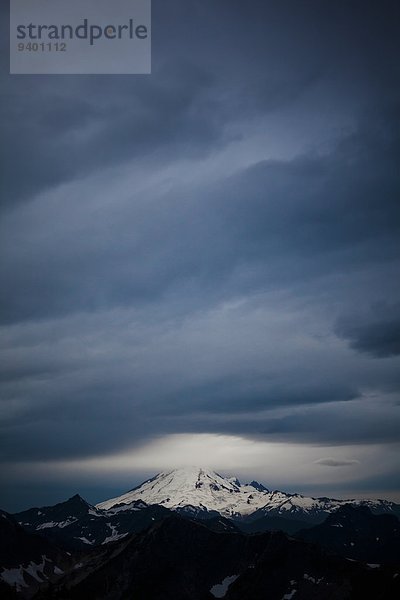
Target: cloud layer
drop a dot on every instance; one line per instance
(208, 251)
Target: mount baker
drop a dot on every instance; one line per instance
(201, 491)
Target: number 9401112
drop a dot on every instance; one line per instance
(42, 47)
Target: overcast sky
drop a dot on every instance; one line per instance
(201, 266)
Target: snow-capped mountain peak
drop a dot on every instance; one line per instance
(199, 490)
(195, 487)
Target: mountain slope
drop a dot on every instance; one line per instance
(293, 570)
(176, 559)
(179, 559)
(267, 523)
(356, 533)
(200, 491)
(27, 561)
(195, 490)
(75, 524)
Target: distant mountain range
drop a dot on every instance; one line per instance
(76, 524)
(193, 534)
(201, 491)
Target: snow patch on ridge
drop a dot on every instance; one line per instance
(16, 576)
(114, 534)
(220, 589)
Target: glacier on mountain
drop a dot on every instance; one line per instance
(200, 490)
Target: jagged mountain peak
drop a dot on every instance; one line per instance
(76, 499)
(258, 486)
(75, 502)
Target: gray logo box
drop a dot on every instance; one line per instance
(72, 37)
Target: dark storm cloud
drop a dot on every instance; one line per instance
(59, 132)
(248, 393)
(285, 220)
(378, 426)
(358, 423)
(202, 250)
(57, 129)
(376, 332)
(334, 208)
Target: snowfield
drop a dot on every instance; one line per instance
(196, 489)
